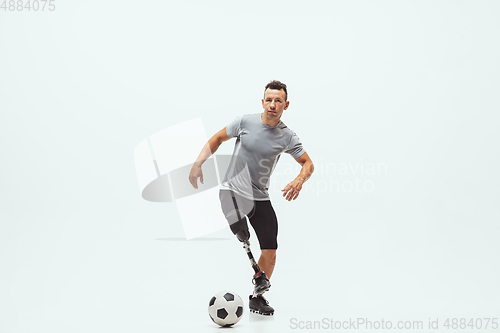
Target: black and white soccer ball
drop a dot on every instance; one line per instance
(225, 308)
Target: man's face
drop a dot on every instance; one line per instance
(274, 103)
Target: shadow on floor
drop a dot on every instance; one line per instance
(202, 239)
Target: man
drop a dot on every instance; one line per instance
(261, 139)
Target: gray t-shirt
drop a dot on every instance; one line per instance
(257, 149)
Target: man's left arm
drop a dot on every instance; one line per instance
(292, 190)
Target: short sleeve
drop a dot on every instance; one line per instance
(295, 148)
(234, 128)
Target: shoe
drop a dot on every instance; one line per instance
(261, 283)
(260, 305)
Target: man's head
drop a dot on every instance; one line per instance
(276, 85)
(274, 102)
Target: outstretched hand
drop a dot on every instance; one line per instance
(292, 190)
(194, 174)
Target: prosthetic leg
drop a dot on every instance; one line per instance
(240, 229)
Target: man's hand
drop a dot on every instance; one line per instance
(291, 191)
(194, 174)
(208, 150)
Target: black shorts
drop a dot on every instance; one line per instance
(260, 213)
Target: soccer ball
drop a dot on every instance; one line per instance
(225, 308)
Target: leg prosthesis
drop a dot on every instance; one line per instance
(260, 279)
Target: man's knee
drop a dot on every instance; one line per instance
(240, 229)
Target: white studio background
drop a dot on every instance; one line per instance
(399, 98)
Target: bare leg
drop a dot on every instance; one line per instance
(267, 262)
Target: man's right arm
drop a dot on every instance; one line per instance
(208, 150)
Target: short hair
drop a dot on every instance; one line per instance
(277, 85)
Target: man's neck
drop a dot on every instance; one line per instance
(271, 123)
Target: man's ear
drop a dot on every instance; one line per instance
(286, 104)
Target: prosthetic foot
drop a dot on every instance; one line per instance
(260, 305)
(261, 283)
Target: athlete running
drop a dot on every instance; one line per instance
(261, 139)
